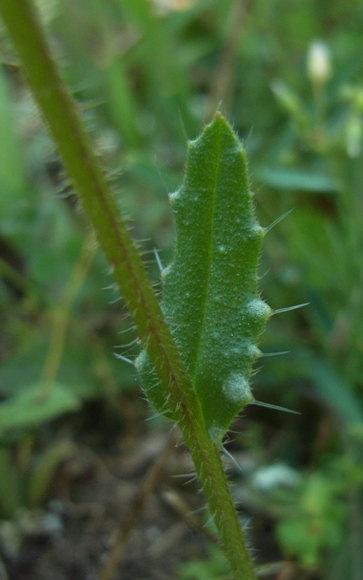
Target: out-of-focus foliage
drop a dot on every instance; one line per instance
(146, 75)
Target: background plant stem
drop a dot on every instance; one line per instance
(61, 115)
(62, 311)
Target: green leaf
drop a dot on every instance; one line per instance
(210, 294)
(35, 404)
(12, 180)
(318, 524)
(44, 470)
(10, 488)
(335, 391)
(288, 179)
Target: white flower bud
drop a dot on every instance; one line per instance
(319, 63)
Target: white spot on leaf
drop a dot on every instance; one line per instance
(237, 389)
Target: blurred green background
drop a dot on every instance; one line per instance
(146, 76)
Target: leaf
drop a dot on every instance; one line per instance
(334, 390)
(12, 180)
(43, 472)
(10, 487)
(35, 404)
(210, 295)
(288, 179)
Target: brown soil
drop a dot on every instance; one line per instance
(92, 500)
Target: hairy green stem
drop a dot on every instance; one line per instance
(61, 115)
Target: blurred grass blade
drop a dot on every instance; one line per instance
(336, 393)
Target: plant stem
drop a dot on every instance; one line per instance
(62, 312)
(60, 113)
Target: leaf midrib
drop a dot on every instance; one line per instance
(210, 255)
